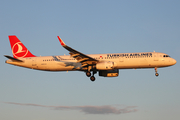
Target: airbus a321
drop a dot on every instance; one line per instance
(107, 65)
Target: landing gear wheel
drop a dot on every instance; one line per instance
(88, 74)
(156, 74)
(92, 78)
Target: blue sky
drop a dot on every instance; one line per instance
(96, 26)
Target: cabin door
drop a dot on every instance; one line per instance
(156, 58)
(121, 59)
(34, 62)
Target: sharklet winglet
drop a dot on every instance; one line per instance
(61, 41)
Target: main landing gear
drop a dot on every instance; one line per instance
(156, 74)
(88, 74)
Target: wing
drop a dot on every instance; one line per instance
(85, 60)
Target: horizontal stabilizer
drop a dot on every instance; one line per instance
(14, 59)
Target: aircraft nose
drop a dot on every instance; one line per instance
(173, 61)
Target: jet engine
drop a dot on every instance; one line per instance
(105, 65)
(109, 73)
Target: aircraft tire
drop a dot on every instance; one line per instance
(156, 74)
(92, 78)
(88, 74)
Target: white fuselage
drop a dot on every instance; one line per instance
(121, 61)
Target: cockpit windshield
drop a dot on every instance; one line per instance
(166, 56)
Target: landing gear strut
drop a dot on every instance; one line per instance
(156, 74)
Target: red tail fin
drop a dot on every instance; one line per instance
(18, 49)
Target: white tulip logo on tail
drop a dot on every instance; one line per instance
(19, 50)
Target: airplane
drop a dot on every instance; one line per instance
(107, 65)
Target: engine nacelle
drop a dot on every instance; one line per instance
(109, 73)
(105, 65)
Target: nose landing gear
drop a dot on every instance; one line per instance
(156, 74)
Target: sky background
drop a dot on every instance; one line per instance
(95, 26)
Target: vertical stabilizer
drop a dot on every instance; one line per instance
(18, 49)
